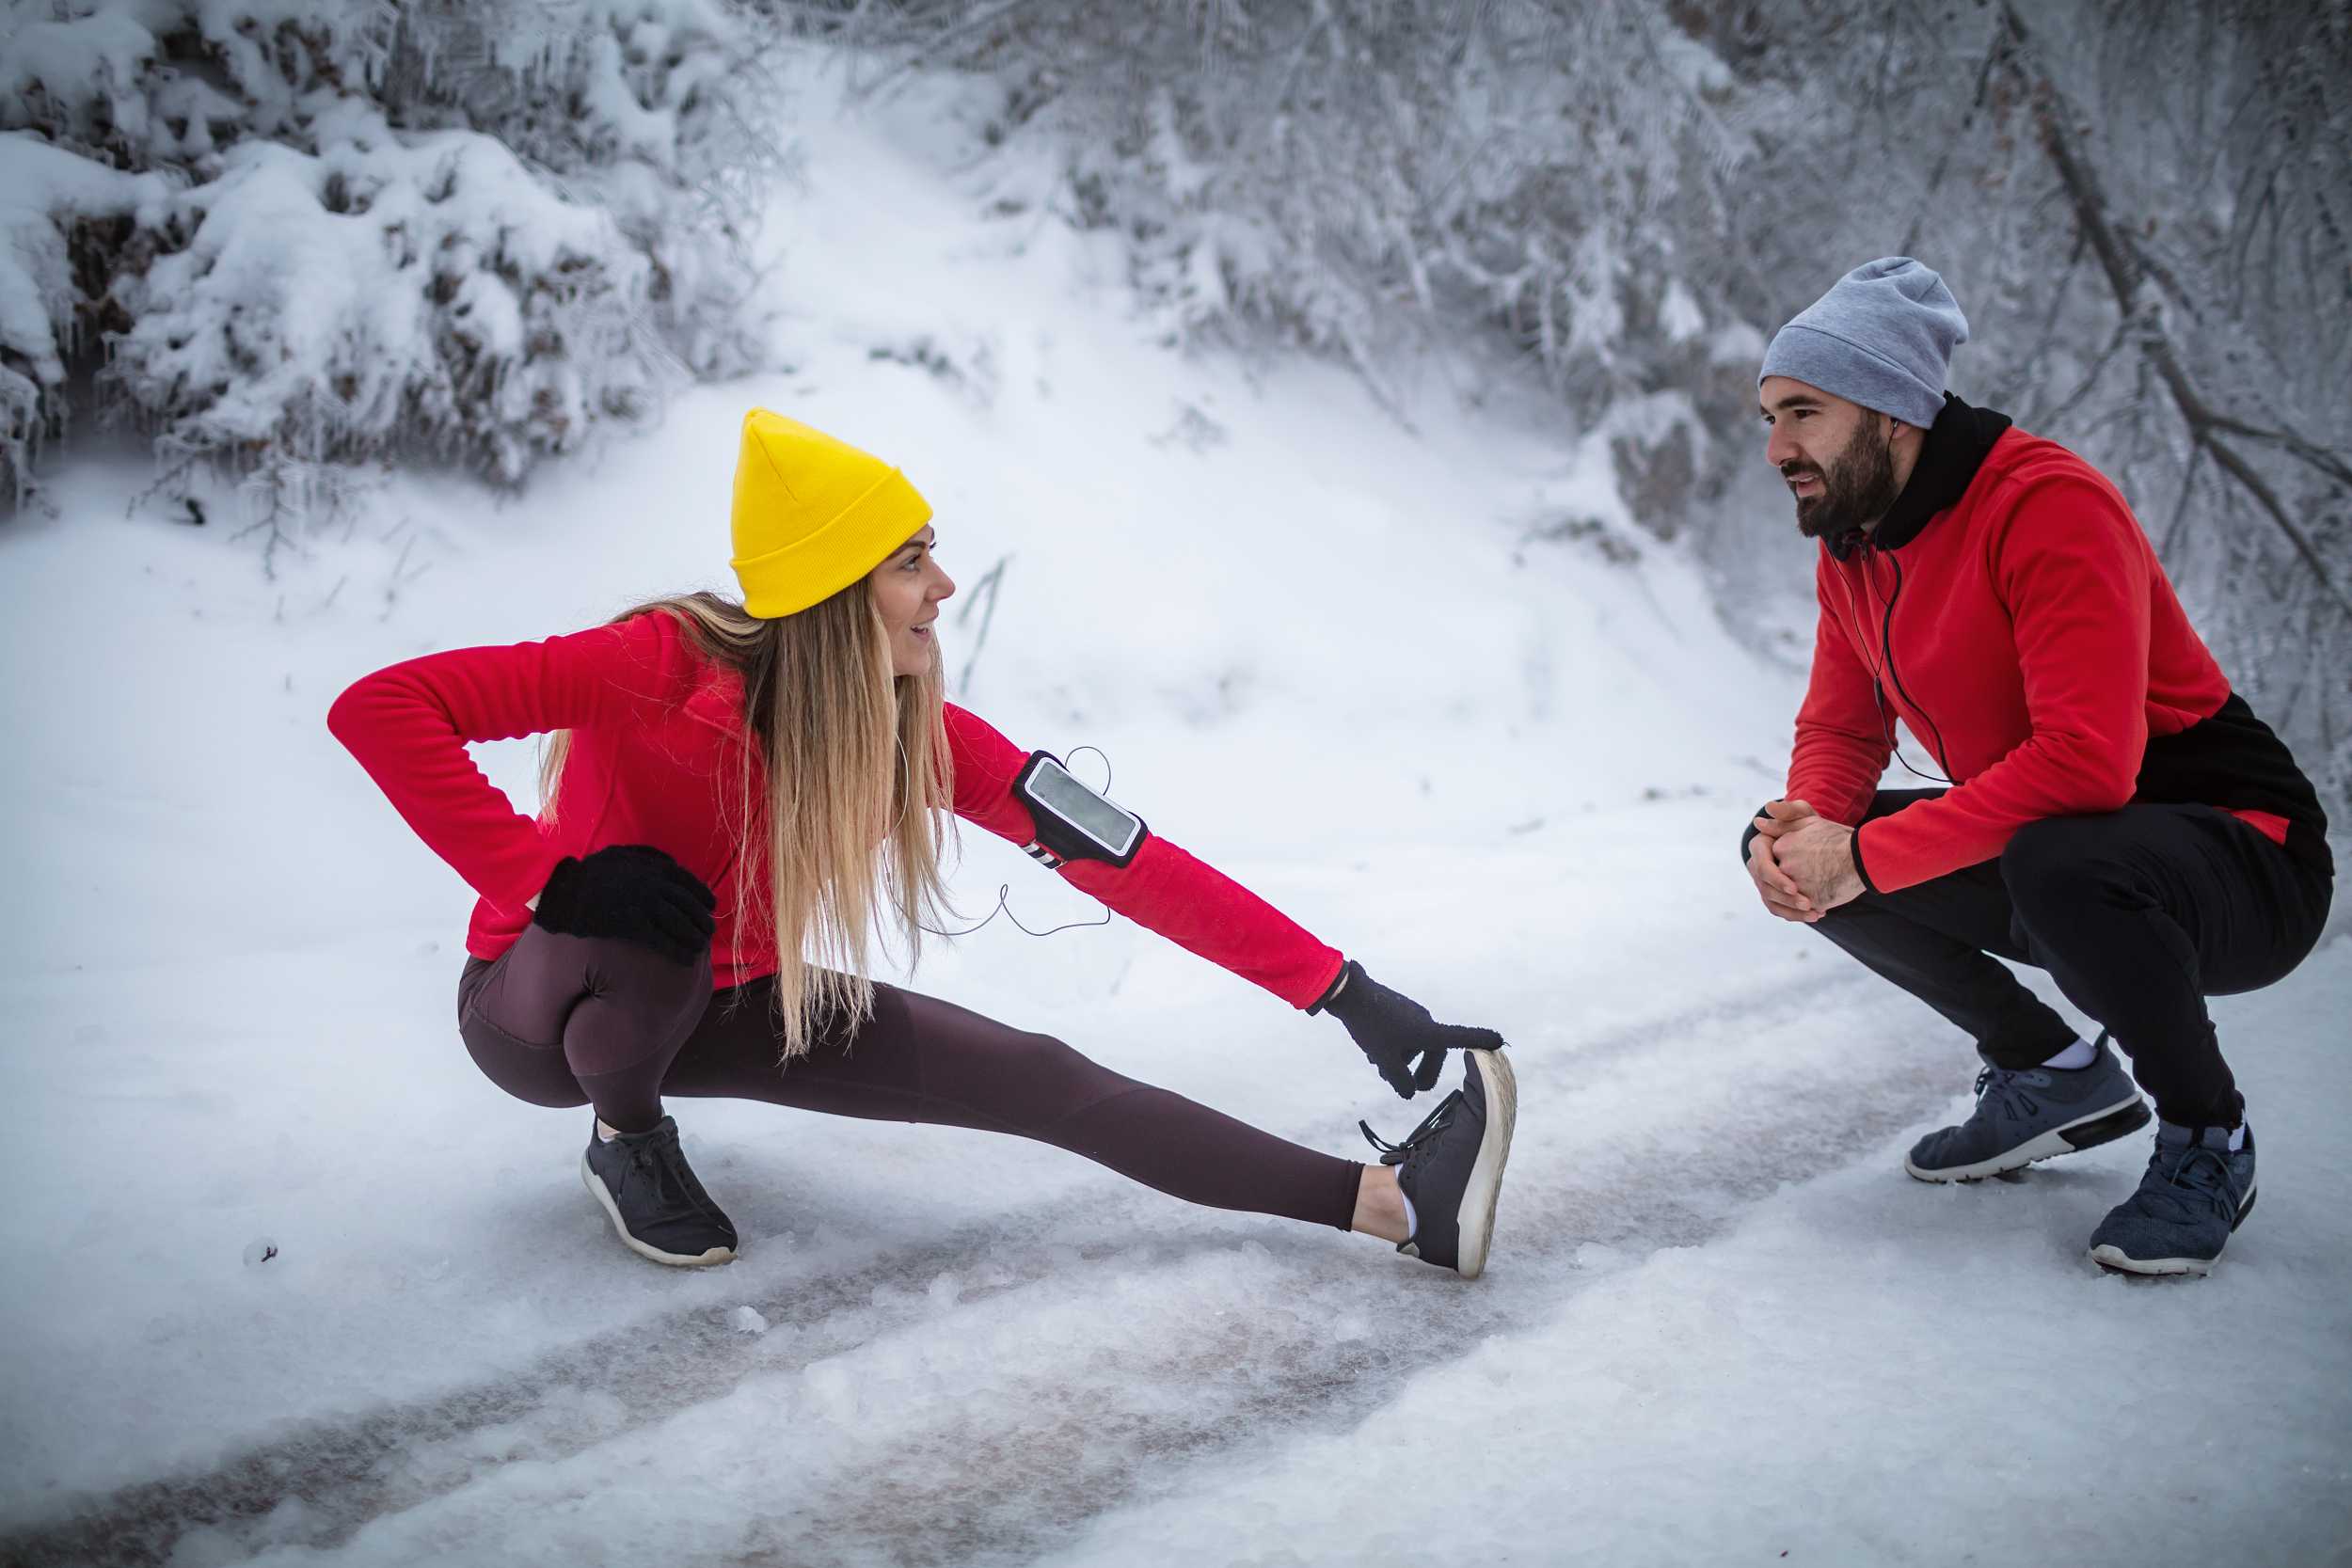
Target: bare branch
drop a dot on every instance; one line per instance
(2124, 266)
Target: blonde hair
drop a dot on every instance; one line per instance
(845, 794)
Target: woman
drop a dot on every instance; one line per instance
(736, 792)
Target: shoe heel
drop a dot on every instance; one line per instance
(2108, 1128)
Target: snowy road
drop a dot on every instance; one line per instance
(1100, 1374)
(1348, 1330)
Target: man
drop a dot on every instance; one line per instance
(2110, 811)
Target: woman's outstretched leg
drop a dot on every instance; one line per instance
(923, 1060)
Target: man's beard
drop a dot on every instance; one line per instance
(1857, 487)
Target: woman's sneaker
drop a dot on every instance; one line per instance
(1450, 1165)
(2022, 1117)
(2196, 1192)
(649, 1193)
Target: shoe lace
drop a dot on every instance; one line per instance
(1408, 1150)
(2198, 1175)
(661, 1166)
(2004, 1090)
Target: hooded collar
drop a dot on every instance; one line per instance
(1956, 447)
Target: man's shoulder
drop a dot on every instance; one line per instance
(2021, 457)
(2026, 475)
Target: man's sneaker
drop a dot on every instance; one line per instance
(1450, 1165)
(2195, 1191)
(650, 1194)
(2031, 1115)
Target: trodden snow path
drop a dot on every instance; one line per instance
(1674, 1359)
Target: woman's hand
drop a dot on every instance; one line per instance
(1396, 1034)
(633, 893)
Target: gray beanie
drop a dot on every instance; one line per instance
(1882, 336)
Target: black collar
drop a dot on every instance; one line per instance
(1956, 447)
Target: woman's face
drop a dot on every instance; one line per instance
(907, 590)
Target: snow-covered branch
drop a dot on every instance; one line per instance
(329, 233)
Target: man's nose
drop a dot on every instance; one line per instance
(1779, 447)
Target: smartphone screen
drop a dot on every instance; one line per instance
(1109, 826)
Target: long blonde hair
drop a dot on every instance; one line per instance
(853, 820)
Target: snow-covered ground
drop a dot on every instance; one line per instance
(1719, 1325)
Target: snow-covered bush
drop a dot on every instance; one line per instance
(317, 232)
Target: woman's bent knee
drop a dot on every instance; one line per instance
(536, 1075)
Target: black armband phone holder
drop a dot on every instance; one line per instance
(1074, 822)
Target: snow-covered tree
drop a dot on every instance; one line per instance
(284, 236)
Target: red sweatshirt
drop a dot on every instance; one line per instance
(655, 759)
(2012, 612)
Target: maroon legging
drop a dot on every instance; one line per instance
(564, 1020)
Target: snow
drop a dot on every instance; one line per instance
(278, 303)
(306, 283)
(39, 186)
(78, 64)
(1320, 651)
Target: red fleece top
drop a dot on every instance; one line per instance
(2035, 645)
(655, 759)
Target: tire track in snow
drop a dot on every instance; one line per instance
(1755, 1109)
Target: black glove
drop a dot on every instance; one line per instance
(1391, 1029)
(632, 892)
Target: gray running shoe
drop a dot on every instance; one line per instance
(2022, 1117)
(2196, 1192)
(1450, 1165)
(650, 1194)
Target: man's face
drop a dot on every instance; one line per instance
(1838, 457)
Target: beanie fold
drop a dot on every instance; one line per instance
(813, 515)
(1852, 372)
(1882, 336)
(818, 565)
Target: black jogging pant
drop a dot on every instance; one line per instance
(564, 1020)
(2138, 915)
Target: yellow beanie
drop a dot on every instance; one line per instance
(812, 515)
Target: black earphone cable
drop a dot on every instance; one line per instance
(1886, 648)
(1884, 666)
(1004, 890)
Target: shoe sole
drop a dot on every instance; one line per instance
(1474, 1218)
(611, 1210)
(2116, 1260)
(2084, 1131)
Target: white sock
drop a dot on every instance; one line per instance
(606, 1134)
(1412, 1221)
(2075, 1057)
(2237, 1137)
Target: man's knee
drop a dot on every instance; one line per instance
(1748, 835)
(2053, 860)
